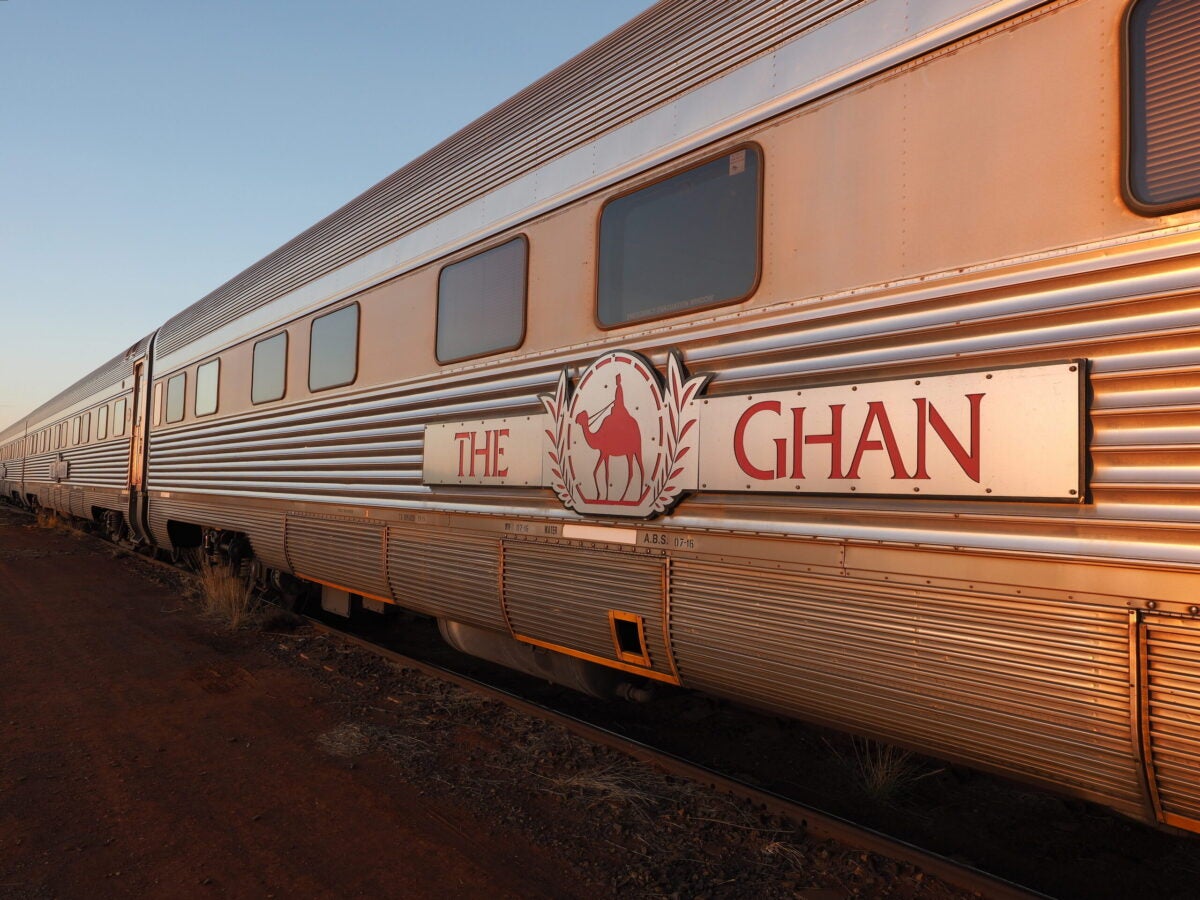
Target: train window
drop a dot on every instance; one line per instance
(481, 302)
(269, 379)
(1163, 118)
(176, 386)
(119, 418)
(102, 422)
(158, 404)
(333, 349)
(75, 430)
(689, 241)
(208, 378)
(85, 428)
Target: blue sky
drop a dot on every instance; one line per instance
(149, 151)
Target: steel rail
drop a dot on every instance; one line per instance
(819, 824)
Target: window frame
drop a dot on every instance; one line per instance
(102, 422)
(1128, 118)
(119, 428)
(85, 428)
(659, 179)
(467, 256)
(157, 402)
(287, 346)
(216, 360)
(183, 402)
(357, 347)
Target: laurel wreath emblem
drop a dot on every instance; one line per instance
(679, 435)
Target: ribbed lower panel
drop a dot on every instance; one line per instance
(563, 596)
(264, 528)
(348, 553)
(1173, 715)
(1011, 683)
(452, 576)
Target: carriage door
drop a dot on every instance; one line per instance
(137, 461)
(1170, 715)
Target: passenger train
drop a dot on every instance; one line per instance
(839, 357)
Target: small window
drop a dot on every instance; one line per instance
(1164, 105)
(75, 430)
(685, 243)
(119, 418)
(175, 390)
(333, 349)
(208, 378)
(481, 302)
(102, 422)
(85, 428)
(158, 404)
(269, 380)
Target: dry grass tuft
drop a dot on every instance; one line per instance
(786, 853)
(625, 784)
(49, 518)
(883, 772)
(227, 596)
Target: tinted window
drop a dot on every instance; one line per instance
(333, 353)
(102, 423)
(175, 390)
(686, 242)
(208, 376)
(481, 303)
(1164, 104)
(119, 417)
(270, 369)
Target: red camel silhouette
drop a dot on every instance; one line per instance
(618, 435)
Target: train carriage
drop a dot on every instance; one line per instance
(73, 454)
(836, 357)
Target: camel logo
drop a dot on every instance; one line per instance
(623, 443)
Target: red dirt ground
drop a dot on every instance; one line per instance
(144, 755)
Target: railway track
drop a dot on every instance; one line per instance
(817, 823)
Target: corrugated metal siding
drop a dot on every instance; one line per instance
(671, 48)
(1165, 93)
(348, 553)
(360, 448)
(1173, 711)
(444, 574)
(562, 595)
(99, 465)
(1011, 683)
(264, 528)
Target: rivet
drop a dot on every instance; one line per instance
(1151, 605)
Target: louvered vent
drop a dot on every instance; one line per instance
(345, 553)
(1164, 103)
(1172, 724)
